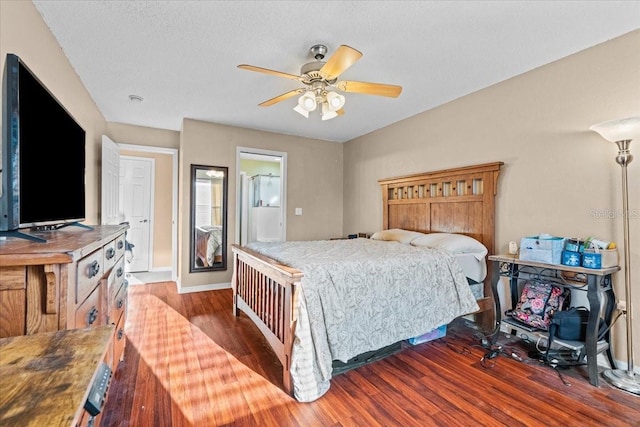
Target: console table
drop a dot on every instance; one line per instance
(596, 282)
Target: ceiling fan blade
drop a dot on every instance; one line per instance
(268, 71)
(379, 89)
(343, 58)
(282, 97)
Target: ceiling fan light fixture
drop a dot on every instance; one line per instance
(327, 112)
(301, 110)
(307, 101)
(335, 101)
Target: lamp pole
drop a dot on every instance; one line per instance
(622, 132)
(625, 380)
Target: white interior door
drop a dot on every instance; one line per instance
(136, 188)
(111, 214)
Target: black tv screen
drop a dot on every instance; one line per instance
(43, 155)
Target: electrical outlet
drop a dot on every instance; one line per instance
(622, 305)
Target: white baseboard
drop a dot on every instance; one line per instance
(202, 288)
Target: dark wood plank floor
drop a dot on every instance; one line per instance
(189, 362)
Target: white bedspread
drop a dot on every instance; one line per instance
(360, 295)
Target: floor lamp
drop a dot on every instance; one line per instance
(622, 132)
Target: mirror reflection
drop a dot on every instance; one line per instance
(208, 218)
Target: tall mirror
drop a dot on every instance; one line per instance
(208, 218)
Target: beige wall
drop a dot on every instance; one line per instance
(140, 135)
(258, 167)
(24, 33)
(558, 177)
(314, 183)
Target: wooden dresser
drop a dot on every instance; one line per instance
(47, 377)
(73, 280)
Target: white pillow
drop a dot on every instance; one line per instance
(397, 235)
(454, 243)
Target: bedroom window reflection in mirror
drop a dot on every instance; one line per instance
(208, 218)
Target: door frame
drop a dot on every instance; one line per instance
(174, 198)
(283, 186)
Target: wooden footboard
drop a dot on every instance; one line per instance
(202, 241)
(266, 292)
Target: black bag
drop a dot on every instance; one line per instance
(569, 324)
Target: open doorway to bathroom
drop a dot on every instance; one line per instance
(261, 199)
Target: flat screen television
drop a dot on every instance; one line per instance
(43, 155)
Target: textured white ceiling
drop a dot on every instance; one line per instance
(181, 56)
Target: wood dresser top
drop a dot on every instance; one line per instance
(62, 246)
(45, 378)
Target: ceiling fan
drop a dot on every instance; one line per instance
(320, 77)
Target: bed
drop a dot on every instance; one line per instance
(208, 244)
(281, 295)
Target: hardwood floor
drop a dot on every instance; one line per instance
(189, 362)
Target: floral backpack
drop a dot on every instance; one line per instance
(538, 302)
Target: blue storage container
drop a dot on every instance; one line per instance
(592, 260)
(572, 259)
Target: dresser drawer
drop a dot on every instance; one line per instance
(120, 246)
(89, 312)
(118, 305)
(110, 255)
(118, 343)
(115, 280)
(90, 270)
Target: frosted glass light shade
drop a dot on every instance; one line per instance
(619, 130)
(327, 112)
(301, 110)
(335, 101)
(307, 101)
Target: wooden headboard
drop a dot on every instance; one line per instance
(460, 200)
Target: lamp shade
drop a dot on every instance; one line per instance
(335, 101)
(327, 112)
(619, 130)
(307, 101)
(302, 111)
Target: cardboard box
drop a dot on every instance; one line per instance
(547, 250)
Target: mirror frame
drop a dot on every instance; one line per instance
(220, 266)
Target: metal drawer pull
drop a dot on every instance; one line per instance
(120, 244)
(120, 334)
(110, 253)
(93, 269)
(120, 303)
(119, 271)
(92, 315)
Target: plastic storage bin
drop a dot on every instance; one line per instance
(429, 336)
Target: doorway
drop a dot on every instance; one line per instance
(166, 218)
(261, 195)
